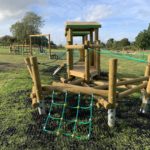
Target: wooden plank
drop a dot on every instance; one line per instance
(101, 101)
(133, 90)
(112, 81)
(79, 47)
(77, 74)
(120, 83)
(38, 35)
(27, 61)
(75, 89)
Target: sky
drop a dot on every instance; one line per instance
(119, 18)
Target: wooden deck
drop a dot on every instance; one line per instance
(79, 70)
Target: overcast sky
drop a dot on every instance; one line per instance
(119, 18)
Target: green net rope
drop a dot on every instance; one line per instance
(138, 57)
(74, 123)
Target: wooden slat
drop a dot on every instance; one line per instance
(133, 90)
(132, 81)
(38, 35)
(80, 47)
(102, 102)
(75, 89)
(77, 73)
(28, 63)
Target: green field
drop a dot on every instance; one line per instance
(21, 126)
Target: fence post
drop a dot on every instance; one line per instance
(112, 92)
(145, 107)
(37, 84)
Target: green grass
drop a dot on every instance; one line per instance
(21, 126)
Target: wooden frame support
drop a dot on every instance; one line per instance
(69, 53)
(40, 35)
(97, 52)
(133, 90)
(87, 64)
(112, 91)
(37, 84)
(145, 107)
(74, 89)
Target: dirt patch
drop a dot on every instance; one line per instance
(4, 66)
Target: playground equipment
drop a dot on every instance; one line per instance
(89, 63)
(19, 49)
(51, 56)
(105, 93)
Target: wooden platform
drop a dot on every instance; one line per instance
(79, 70)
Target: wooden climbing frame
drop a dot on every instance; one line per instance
(40, 35)
(89, 49)
(106, 92)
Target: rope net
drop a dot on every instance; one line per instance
(70, 115)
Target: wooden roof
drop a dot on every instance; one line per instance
(80, 33)
(79, 27)
(84, 25)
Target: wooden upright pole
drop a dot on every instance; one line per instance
(87, 64)
(69, 53)
(92, 51)
(97, 52)
(145, 107)
(31, 53)
(148, 74)
(37, 84)
(82, 51)
(112, 91)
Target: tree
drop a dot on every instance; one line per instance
(110, 43)
(124, 42)
(30, 24)
(7, 40)
(102, 45)
(143, 40)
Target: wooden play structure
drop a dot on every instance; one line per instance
(19, 49)
(89, 63)
(51, 56)
(106, 93)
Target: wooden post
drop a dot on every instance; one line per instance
(91, 52)
(82, 51)
(112, 91)
(49, 46)
(37, 84)
(87, 64)
(31, 53)
(97, 52)
(69, 53)
(27, 61)
(145, 107)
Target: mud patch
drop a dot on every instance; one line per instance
(4, 66)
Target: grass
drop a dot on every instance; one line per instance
(21, 126)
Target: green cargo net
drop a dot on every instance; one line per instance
(70, 116)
